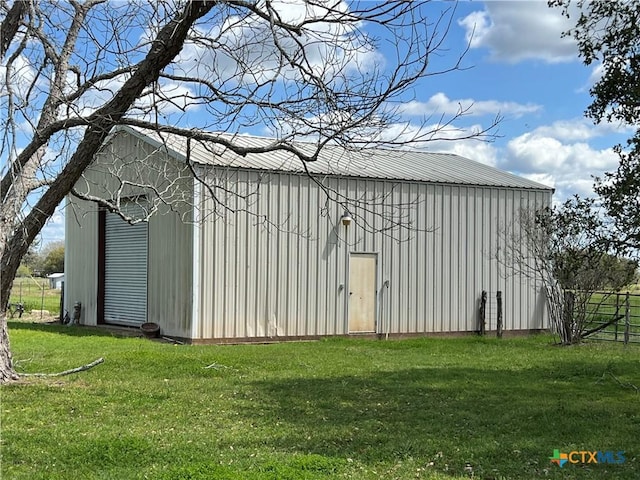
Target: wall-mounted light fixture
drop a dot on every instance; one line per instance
(346, 219)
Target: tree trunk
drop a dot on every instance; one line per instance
(16, 238)
(7, 374)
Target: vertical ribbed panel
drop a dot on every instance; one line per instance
(170, 243)
(275, 263)
(274, 259)
(170, 270)
(125, 282)
(81, 259)
(281, 269)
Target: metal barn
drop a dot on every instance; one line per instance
(259, 251)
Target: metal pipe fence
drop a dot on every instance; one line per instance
(620, 310)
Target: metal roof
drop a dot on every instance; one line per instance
(381, 163)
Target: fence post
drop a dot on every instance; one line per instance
(627, 314)
(615, 335)
(61, 316)
(42, 301)
(483, 312)
(499, 319)
(567, 322)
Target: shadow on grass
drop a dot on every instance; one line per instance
(496, 422)
(74, 330)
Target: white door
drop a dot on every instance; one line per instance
(125, 274)
(362, 292)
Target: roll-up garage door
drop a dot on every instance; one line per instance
(125, 275)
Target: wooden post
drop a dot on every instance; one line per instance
(499, 320)
(567, 322)
(42, 301)
(483, 312)
(627, 315)
(61, 316)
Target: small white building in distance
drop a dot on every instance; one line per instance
(56, 280)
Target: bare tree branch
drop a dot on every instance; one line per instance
(76, 71)
(10, 25)
(164, 48)
(66, 372)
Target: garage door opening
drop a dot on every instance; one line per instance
(124, 267)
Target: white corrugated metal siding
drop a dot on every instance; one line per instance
(281, 269)
(170, 243)
(274, 260)
(81, 259)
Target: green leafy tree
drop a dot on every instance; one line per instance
(24, 271)
(52, 259)
(608, 32)
(620, 194)
(618, 272)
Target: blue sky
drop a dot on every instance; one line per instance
(521, 64)
(518, 66)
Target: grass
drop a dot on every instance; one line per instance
(35, 294)
(341, 408)
(604, 307)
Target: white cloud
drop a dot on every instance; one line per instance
(596, 74)
(241, 56)
(559, 157)
(543, 178)
(581, 129)
(167, 98)
(538, 153)
(517, 31)
(441, 104)
(597, 71)
(477, 150)
(248, 50)
(442, 139)
(21, 77)
(95, 97)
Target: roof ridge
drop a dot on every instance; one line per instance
(406, 165)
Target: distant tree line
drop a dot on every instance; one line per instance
(40, 263)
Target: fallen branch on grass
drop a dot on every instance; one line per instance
(622, 384)
(66, 372)
(217, 366)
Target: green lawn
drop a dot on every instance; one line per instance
(341, 408)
